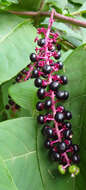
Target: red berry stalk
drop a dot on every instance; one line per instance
(57, 127)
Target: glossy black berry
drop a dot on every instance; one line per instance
(11, 102)
(64, 79)
(39, 106)
(61, 147)
(24, 71)
(60, 95)
(60, 64)
(18, 78)
(7, 107)
(17, 106)
(68, 143)
(55, 156)
(48, 104)
(51, 48)
(40, 119)
(47, 144)
(58, 46)
(68, 115)
(75, 148)
(68, 125)
(35, 73)
(41, 42)
(75, 158)
(41, 93)
(47, 131)
(33, 57)
(38, 82)
(54, 85)
(59, 117)
(47, 69)
(68, 134)
(66, 95)
(58, 55)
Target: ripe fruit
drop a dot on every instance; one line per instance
(35, 73)
(58, 55)
(58, 46)
(11, 102)
(64, 79)
(39, 106)
(48, 104)
(55, 156)
(60, 95)
(60, 64)
(38, 82)
(75, 148)
(47, 131)
(33, 57)
(47, 144)
(59, 117)
(61, 147)
(75, 158)
(47, 69)
(54, 85)
(41, 42)
(68, 115)
(68, 125)
(66, 95)
(40, 119)
(41, 93)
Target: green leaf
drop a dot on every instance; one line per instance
(24, 94)
(77, 1)
(6, 180)
(16, 43)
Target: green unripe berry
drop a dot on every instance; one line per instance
(77, 170)
(74, 170)
(61, 169)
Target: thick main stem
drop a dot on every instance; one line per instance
(58, 16)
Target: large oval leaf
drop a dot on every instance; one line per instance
(16, 43)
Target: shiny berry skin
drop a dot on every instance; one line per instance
(68, 115)
(51, 48)
(47, 131)
(54, 85)
(68, 125)
(40, 119)
(59, 117)
(24, 71)
(60, 64)
(33, 57)
(60, 95)
(47, 144)
(75, 158)
(58, 55)
(7, 107)
(75, 148)
(11, 102)
(61, 147)
(35, 73)
(55, 156)
(41, 93)
(39, 106)
(41, 42)
(48, 104)
(66, 95)
(68, 134)
(58, 46)
(68, 143)
(64, 79)
(47, 69)
(38, 82)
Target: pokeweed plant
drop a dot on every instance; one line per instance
(45, 95)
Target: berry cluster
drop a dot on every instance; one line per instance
(12, 105)
(56, 121)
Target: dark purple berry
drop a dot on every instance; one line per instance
(68, 115)
(33, 57)
(68, 143)
(68, 125)
(39, 106)
(35, 73)
(68, 134)
(64, 79)
(48, 104)
(59, 117)
(51, 48)
(11, 102)
(41, 93)
(41, 42)
(47, 131)
(61, 147)
(47, 69)
(54, 85)
(66, 95)
(75, 158)
(38, 82)
(17, 106)
(55, 156)
(75, 148)
(60, 64)
(47, 144)
(24, 71)
(60, 95)
(40, 119)
(7, 107)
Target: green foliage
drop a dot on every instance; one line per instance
(24, 163)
